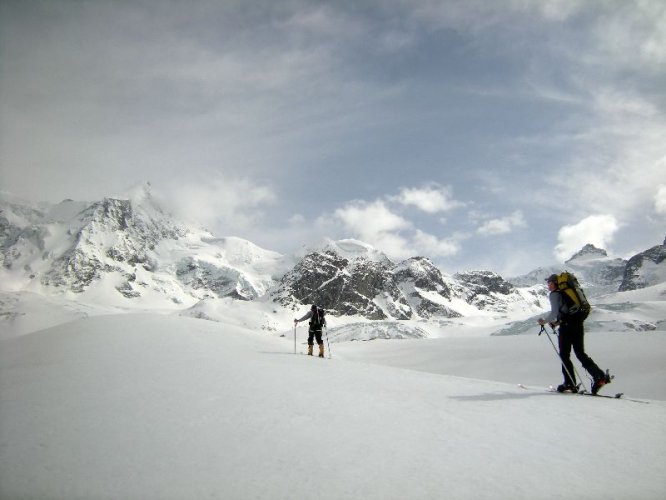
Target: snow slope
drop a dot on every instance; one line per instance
(160, 406)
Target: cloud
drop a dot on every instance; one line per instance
(431, 246)
(325, 22)
(370, 220)
(502, 225)
(660, 200)
(569, 100)
(228, 205)
(633, 34)
(377, 224)
(598, 230)
(297, 220)
(430, 199)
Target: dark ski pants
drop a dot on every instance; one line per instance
(573, 335)
(314, 333)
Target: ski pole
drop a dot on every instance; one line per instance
(543, 330)
(329, 345)
(294, 338)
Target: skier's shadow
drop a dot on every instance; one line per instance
(497, 396)
(281, 353)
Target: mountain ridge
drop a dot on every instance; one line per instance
(139, 250)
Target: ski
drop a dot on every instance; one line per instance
(617, 395)
(584, 392)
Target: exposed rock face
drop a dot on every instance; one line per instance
(645, 269)
(109, 236)
(588, 251)
(379, 289)
(342, 286)
(133, 245)
(484, 289)
(425, 288)
(222, 281)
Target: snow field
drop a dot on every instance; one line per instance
(154, 406)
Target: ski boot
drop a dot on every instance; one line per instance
(567, 388)
(601, 381)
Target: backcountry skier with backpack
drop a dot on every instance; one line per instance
(567, 314)
(317, 322)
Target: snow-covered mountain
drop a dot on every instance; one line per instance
(596, 271)
(344, 282)
(625, 295)
(127, 247)
(128, 252)
(359, 281)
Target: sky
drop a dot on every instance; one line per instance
(484, 135)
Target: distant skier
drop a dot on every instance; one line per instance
(571, 334)
(317, 322)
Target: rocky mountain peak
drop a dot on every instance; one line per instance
(423, 274)
(334, 282)
(587, 252)
(485, 289)
(484, 282)
(111, 235)
(426, 290)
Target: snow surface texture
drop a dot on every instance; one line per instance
(148, 406)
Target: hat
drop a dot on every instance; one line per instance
(552, 277)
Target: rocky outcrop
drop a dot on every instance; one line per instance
(109, 236)
(485, 289)
(645, 269)
(340, 285)
(425, 288)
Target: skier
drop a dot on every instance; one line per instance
(317, 322)
(571, 335)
